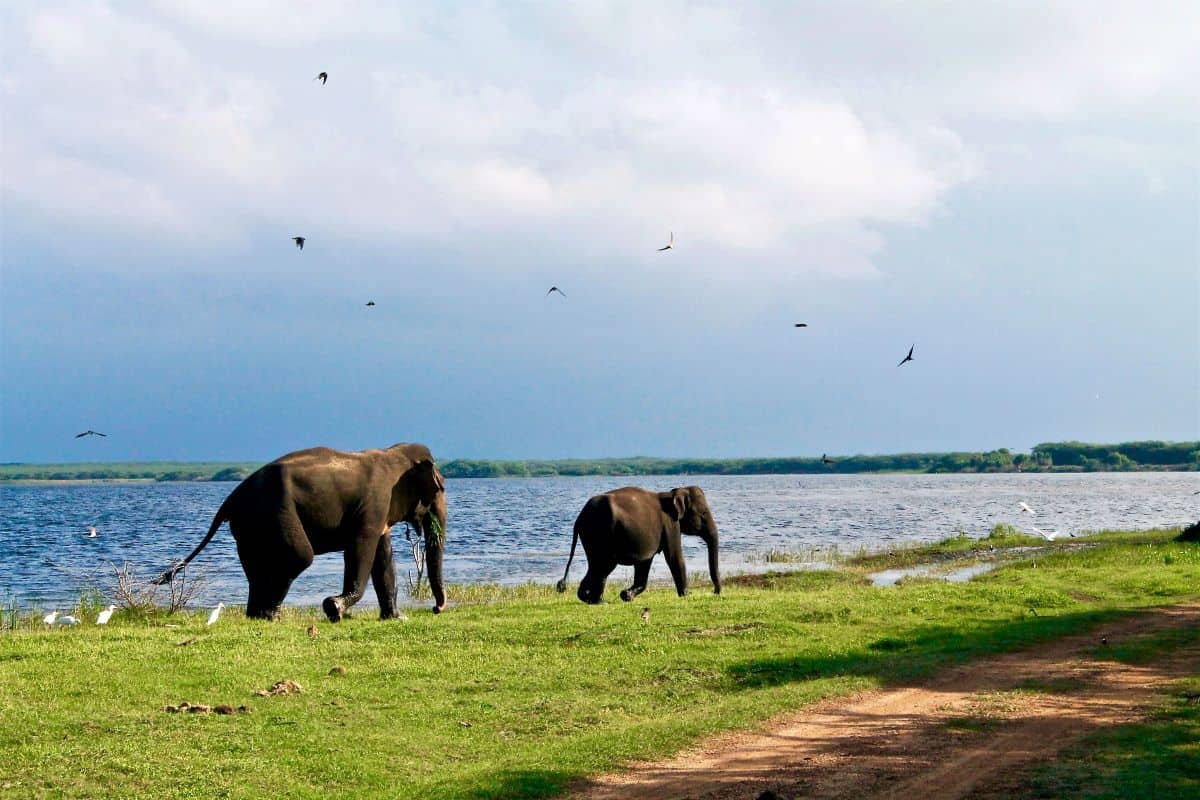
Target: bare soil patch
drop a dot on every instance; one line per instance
(972, 730)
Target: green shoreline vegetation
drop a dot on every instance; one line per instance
(1046, 457)
(521, 692)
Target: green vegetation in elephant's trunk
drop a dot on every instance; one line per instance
(433, 526)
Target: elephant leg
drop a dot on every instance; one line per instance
(270, 568)
(641, 574)
(360, 557)
(678, 568)
(591, 588)
(383, 578)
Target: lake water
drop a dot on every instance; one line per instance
(510, 531)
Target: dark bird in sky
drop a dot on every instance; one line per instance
(89, 432)
(299, 240)
(801, 324)
(370, 304)
(322, 77)
(908, 357)
(826, 459)
(555, 289)
(670, 243)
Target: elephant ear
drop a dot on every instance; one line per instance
(674, 503)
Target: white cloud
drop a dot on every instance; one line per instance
(598, 127)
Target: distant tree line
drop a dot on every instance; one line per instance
(1047, 457)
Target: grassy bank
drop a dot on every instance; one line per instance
(517, 697)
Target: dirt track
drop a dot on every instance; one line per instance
(965, 732)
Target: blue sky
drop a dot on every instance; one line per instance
(1011, 188)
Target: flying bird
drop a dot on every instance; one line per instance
(801, 325)
(105, 615)
(299, 240)
(670, 243)
(555, 289)
(370, 304)
(1026, 508)
(908, 357)
(216, 612)
(1049, 536)
(92, 533)
(89, 432)
(49, 618)
(322, 77)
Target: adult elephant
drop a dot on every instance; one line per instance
(322, 500)
(632, 525)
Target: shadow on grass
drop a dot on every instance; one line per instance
(520, 783)
(895, 660)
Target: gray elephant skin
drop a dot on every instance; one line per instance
(630, 526)
(322, 501)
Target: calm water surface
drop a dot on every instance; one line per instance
(510, 531)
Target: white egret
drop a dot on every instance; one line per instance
(1026, 508)
(1050, 536)
(66, 619)
(49, 618)
(216, 612)
(91, 534)
(105, 615)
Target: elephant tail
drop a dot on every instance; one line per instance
(562, 585)
(222, 515)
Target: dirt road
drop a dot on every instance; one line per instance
(970, 731)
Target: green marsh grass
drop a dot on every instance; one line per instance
(515, 691)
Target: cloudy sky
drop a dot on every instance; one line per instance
(1012, 187)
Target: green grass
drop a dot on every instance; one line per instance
(519, 691)
(1158, 759)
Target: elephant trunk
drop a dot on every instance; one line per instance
(710, 539)
(435, 544)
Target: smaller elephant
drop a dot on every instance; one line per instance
(630, 526)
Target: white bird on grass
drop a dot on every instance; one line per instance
(66, 619)
(91, 534)
(105, 615)
(216, 612)
(1026, 508)
(49, 618)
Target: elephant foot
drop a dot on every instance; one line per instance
(561, 586)
(628, 594)
(333, 609)
(269, 614)
(439, 609)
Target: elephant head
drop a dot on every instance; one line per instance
(419, 498)
(688, 507)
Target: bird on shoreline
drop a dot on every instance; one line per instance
(670, 243)
(322, 77)
(92, 533)
(908, 357)
(299, 240)
(216, 612)
(89, 432)
(105, 615)
(66, 619)
(555, 289)
(49, 618)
